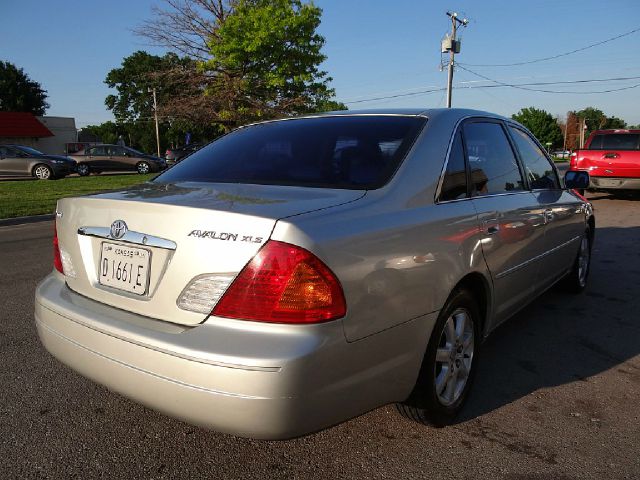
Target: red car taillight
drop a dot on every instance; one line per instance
(283, 283)
(57, 260)
(573, 160)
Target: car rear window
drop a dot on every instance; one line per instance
(615, 141)
(348, 152)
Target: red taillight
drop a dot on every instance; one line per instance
(57, 260)
(573, 160)
(283, 284)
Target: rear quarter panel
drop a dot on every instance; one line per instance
(397, 254)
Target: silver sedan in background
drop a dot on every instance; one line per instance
(297, 273)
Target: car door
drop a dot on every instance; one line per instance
(115, 158)
(13, 162)
(564, 220)
(96, 157)
(132, 158)
(510, 220)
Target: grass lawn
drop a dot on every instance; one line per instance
(36, 197)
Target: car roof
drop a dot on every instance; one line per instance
(432, 113)
(614, 130)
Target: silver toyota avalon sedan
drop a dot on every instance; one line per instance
(297, 273)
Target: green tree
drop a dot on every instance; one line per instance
(541, 124)
(615, 122)
(18, 93)
(265, 61)
(132, 104)
(107, 132)
(596, 120)
(139, 73)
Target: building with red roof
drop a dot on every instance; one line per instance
(47, 134)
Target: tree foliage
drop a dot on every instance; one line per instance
(256, 59)
(133, 80)
(597, 120)
(265, 61)
(541, 124)
(107, 132)
(18, 93)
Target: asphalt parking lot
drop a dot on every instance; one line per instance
(556, 396)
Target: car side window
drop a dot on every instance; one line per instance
(115, 151)
(3, 152)
(492, 163)
(96, 151)
(538, 169)
(454, 184)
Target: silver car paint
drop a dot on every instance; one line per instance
(397, 252)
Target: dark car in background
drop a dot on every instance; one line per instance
(174, 155)
(23, 161)
(105, 157)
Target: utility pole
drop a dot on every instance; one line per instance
(155, 115)
(452, 45)
(583, 127)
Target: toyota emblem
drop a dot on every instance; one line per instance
(118, 229)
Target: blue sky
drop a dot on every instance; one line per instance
(375, 48)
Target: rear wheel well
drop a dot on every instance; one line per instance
(478, 286)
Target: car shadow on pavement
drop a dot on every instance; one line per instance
(562, 338)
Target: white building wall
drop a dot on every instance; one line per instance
(64, 131)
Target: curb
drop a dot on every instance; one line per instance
(5, 222)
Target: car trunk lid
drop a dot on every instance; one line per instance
(162, 237)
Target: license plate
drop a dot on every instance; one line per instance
(125, 268)
(605, 182)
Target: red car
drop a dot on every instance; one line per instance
(612, 158)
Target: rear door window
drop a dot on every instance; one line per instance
(454, 184)
(96, 151)
(352, 151)
(492, 163)
(538, 169)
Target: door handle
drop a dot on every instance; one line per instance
(491, 226)
(610, 155)
(548, 216)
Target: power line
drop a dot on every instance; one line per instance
(554, 56)
(498, 84)
(521, 87)
(421, 92)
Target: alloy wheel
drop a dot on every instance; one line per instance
(42, 172)
(454, 357)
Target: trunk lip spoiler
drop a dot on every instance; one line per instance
(135, 238)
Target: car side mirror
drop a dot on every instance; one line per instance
(576, 180)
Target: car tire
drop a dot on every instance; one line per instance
(43, 172)
(576, 279)
(83, 169)
(143, 168)
(439, 393)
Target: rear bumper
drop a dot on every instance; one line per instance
(615, 183)
(247, 379)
